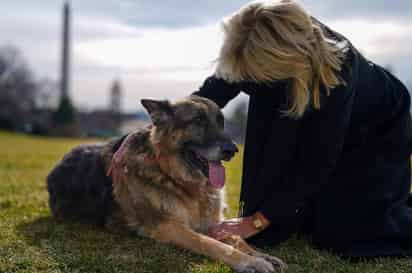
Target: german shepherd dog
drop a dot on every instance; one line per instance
(166, 183)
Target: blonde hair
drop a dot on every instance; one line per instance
(278, 40)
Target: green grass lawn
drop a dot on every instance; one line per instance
(31, 241)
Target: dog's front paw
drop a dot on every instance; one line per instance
(277, 263)
(257, 265)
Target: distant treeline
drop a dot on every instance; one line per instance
(21, 93)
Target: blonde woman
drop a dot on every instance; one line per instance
(328, 140)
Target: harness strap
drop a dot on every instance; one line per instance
(118, 166)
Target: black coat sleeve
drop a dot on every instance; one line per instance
(304, 152)
(218, 90)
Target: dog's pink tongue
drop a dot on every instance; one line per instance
(216, 175)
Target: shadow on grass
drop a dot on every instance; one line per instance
(85, 248)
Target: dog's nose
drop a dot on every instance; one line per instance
(228, 150)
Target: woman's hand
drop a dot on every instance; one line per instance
(244, 227)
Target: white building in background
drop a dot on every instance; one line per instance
(116, 92)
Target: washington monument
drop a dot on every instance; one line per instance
(65, 58)
(65, 113)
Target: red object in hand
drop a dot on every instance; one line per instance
(244, 227)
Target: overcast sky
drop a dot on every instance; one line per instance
(165, 49)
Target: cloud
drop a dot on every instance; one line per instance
(155, 50)
(375, 10)
(184, 13)
(385, 42)
(166, 13)
(390, 38)
(166, 48)
(153, 62)
(159, 51)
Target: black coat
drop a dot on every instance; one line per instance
(341, 172)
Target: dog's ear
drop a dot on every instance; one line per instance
(160, 111)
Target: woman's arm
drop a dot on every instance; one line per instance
(299, 157)
(218, 90)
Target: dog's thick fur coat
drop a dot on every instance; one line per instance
(160, 193)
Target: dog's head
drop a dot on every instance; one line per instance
(193, 128)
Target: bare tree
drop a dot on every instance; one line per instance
(17, 88)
